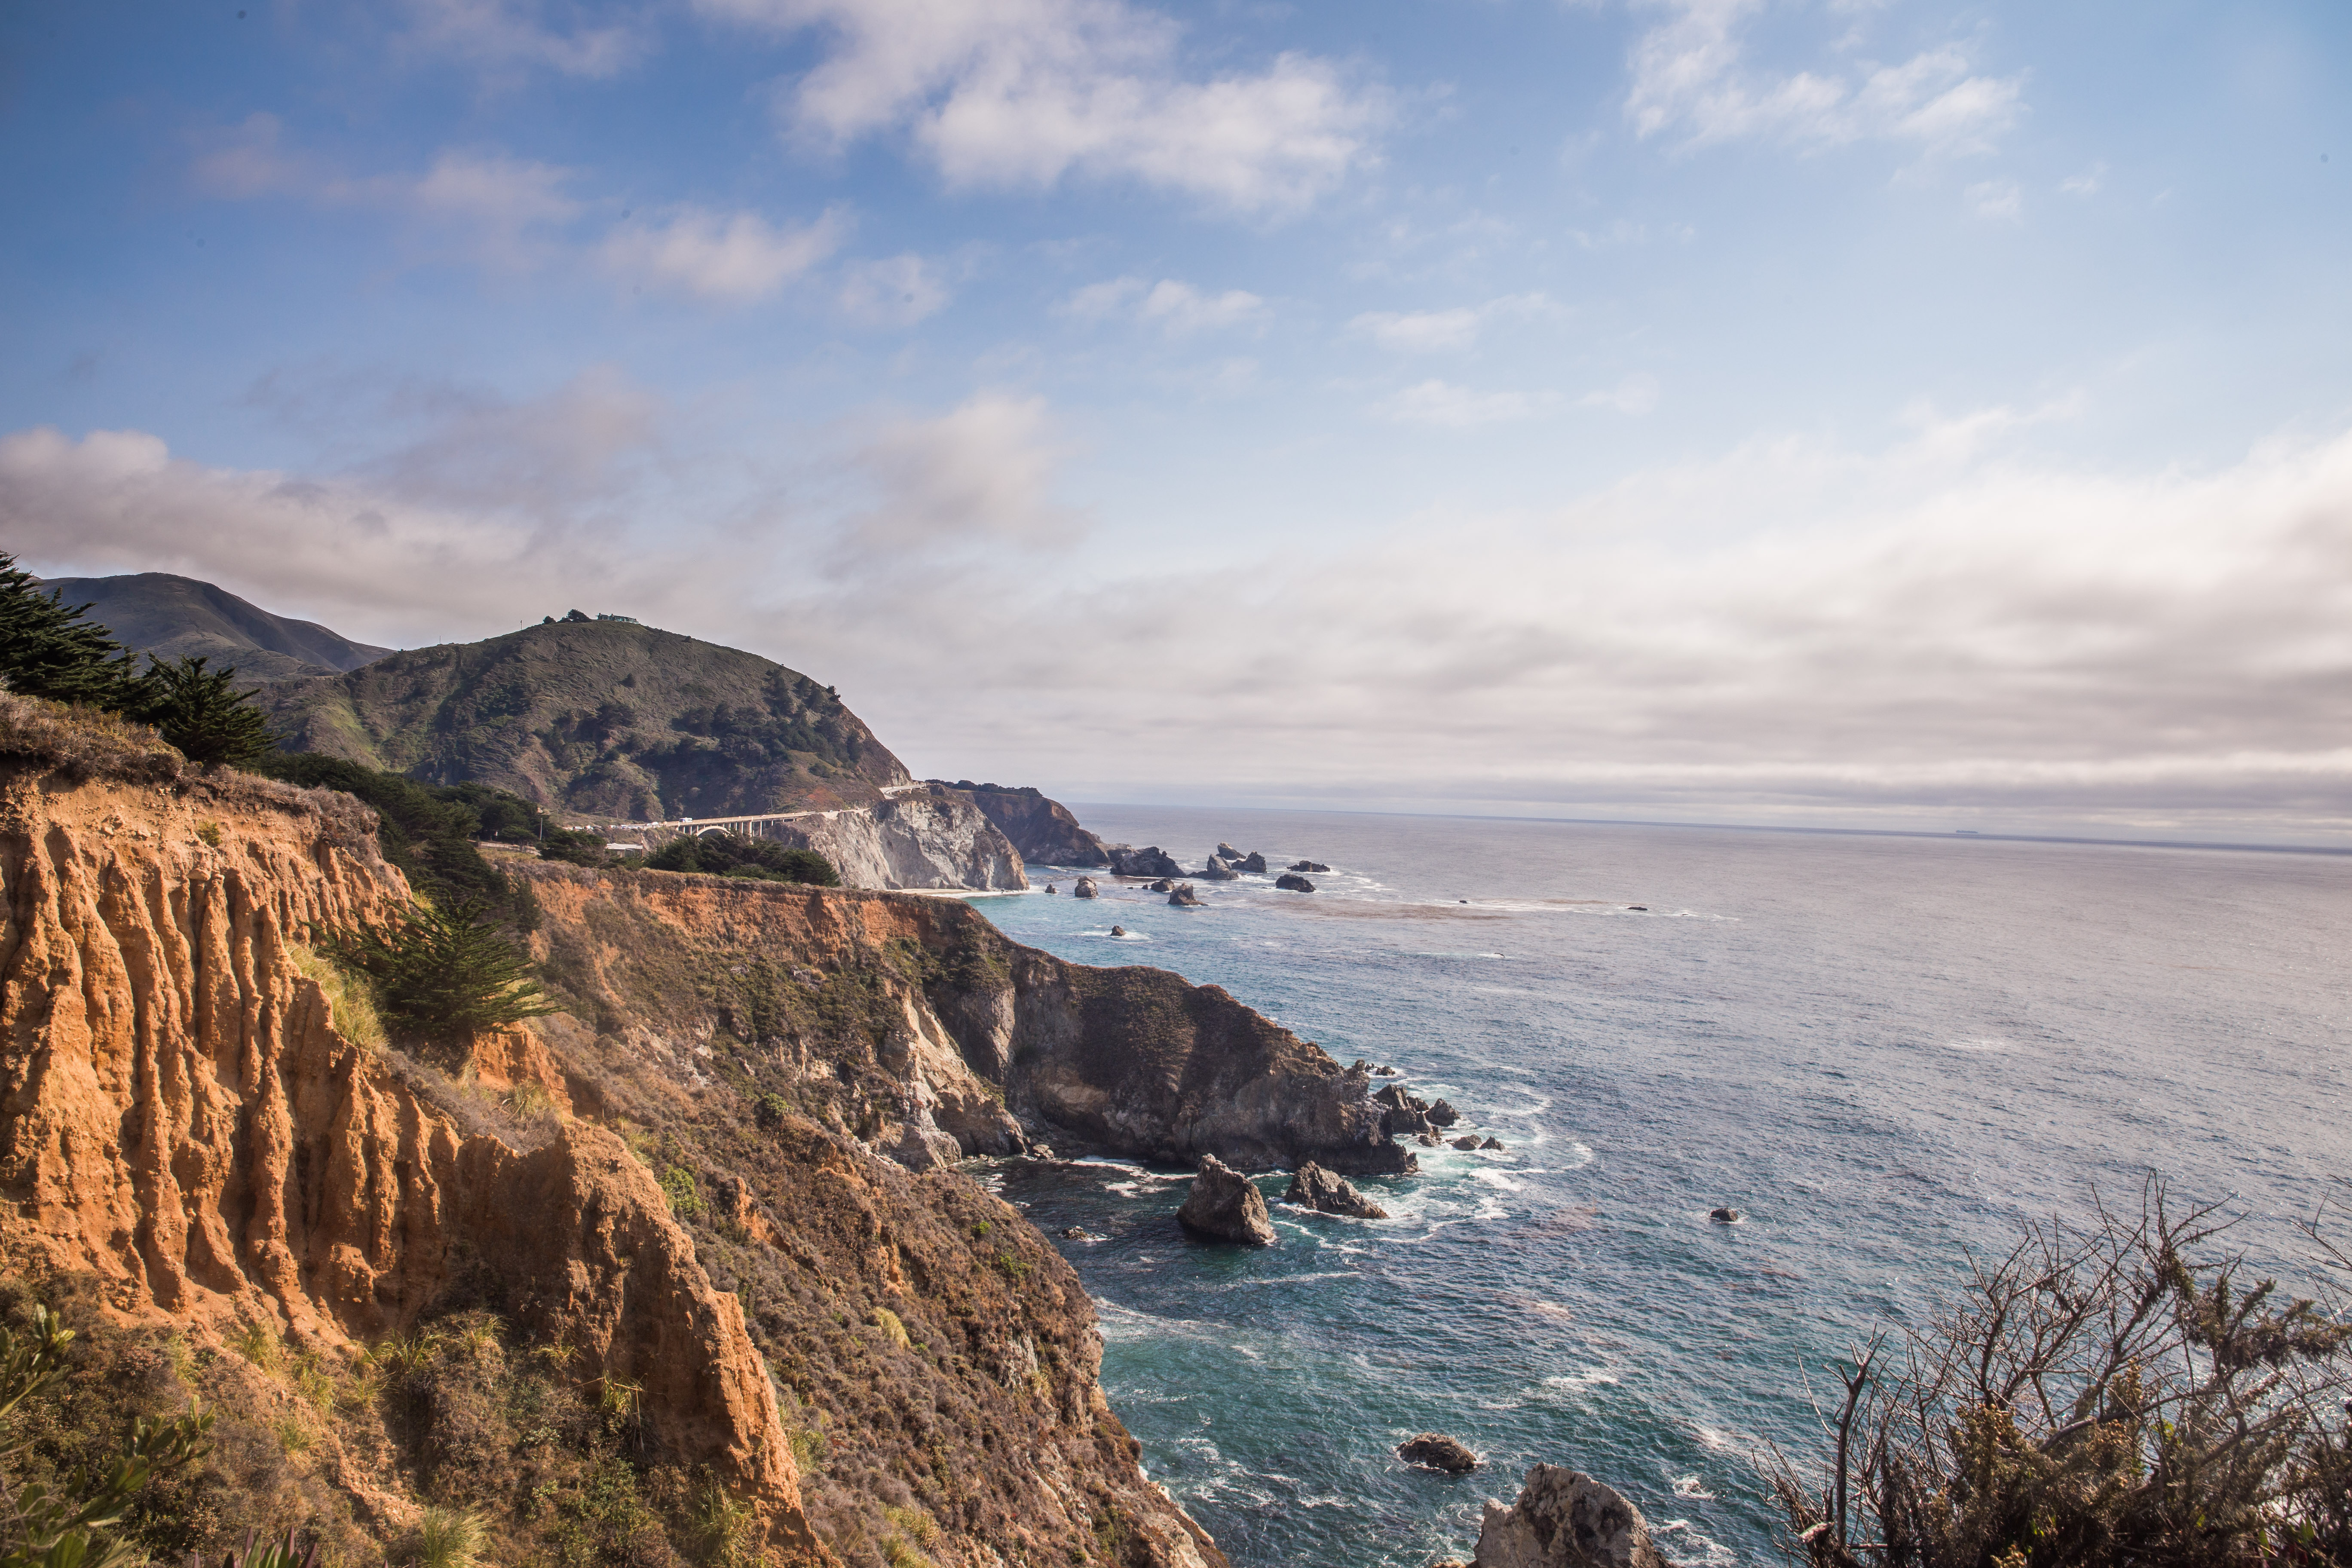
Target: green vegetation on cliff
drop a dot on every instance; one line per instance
(740, 855)
(596, 718)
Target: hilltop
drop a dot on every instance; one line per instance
(601, 719)
(173, 617)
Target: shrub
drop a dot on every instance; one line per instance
(427, 832)
(677, 1186)
(444, 975)
(2100, 1397)
(738, 855)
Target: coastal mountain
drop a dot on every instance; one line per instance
(679, 1273)
(174, 618)
(603, 719)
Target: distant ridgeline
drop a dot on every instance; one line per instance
(601, 718)
(175, 617)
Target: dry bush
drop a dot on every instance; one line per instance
(2111, 1395)
(85, 742)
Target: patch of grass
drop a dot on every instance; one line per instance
(679, 1186)
(351, 1000)
(210, 833)
(530, 1101)
(450, 1538)
(257, 1342)
(893, 1327)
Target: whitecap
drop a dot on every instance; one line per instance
(1590, 1377)
(1693, 1488)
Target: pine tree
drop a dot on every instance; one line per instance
(202, 713)
(48, 649)
(446, 975)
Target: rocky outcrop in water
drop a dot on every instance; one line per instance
(1565, 1518)
(1292, 882)
(1128, 861)
(1044, 831)
(1316, 866)
(1086, 888)
(1435, 1451)
(937, 838)
(1225, 1205)
(1443, 1115)
(1403, 1113)
(1313, 1187)
(1184, 896)
(1217, 870)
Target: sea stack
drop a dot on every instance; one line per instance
(1565, 1518)
(1316, 1188)
(1226, 1206)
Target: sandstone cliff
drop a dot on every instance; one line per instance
(1046, 831)
(934, 838)
(604, 1238)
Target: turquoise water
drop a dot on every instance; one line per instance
(1884, 1050)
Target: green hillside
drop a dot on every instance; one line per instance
(158, 612)
(596, 718)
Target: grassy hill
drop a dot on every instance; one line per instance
(597, 719)
(155, 612)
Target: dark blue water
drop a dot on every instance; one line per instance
(1883, 1050)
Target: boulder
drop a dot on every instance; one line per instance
(1226, 852)
(1074, 1233)
(1443, 1115)
(1496, 1143)
(1436, 1451)
(1051, 889)
(1085, 889)
(1387, 1072)
(1313, 1187)
(1565, 1518)
(1217, 870)
(1160, 885)
(1292, 882)
(1118, 931)
(1309, 866)
(1128, 862)
(922, 1148)
(1468, 1141)
(1226, 1206)
(1253, 862)
(1183, 896)
(1429, 1140)
(1397, 1098)
(1724, 1216)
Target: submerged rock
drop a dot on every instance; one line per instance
(1183, 896)
(1724, 1216)
(1565, 1518)
(1309, 866)
(1292, 882)
(1314, 1187)
(1436, 1451)
(1085, 889)
(1226, 1206)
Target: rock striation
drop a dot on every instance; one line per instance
(1225, 1205)
(1313, 1187)
(1565, 1518)
(936, 839)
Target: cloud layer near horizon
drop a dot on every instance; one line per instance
(1792, 625)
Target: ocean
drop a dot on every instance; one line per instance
(1884, 1051)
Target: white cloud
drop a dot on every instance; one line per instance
(1176, 308)
(1457, 407)
(1448, 331)
(1636, 393)
(734, 258)
(1691, 75)
(981, 475)
(1997, 200)
(897, 291)
(507, 33)
(1022, 93)
(501, 209)
(2086, 184)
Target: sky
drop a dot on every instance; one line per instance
(1840, 412)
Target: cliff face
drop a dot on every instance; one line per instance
(597, 719)
(899, 1018)
(1044, 831)
(629, 1231)
(180, 1119)
(933, 839)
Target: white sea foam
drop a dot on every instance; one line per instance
(1693, 1488)
(1590, 1377)
(1683, 1540)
